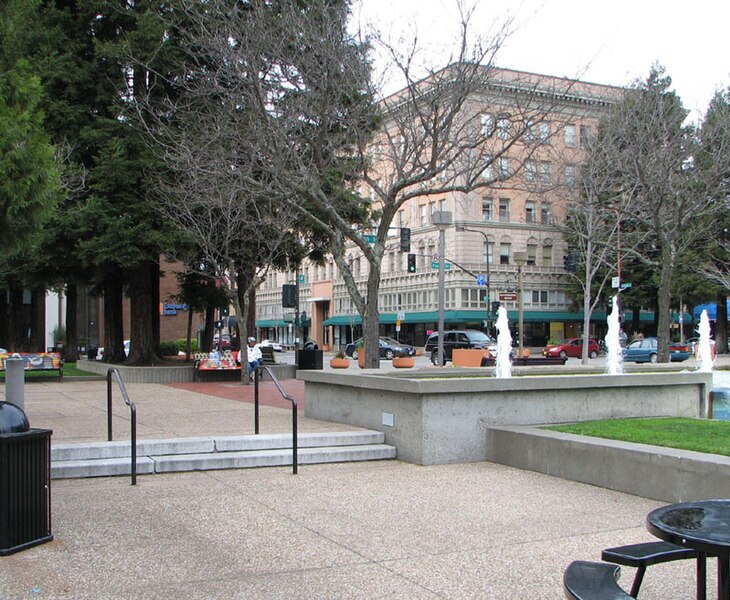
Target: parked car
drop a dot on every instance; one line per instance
(387, 350)
(459, 339)
(275, 345)
(647, 350)
(573, 348)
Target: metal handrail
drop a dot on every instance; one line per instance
(286, 397)
(133, 410)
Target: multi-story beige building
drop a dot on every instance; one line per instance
(518, 216)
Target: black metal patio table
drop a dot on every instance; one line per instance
(703, 525)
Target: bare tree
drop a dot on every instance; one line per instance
(593, 228)
(309, 123)
(649, 154)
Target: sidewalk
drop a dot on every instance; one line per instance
(366, 530)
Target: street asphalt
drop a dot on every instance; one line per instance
(383, 529)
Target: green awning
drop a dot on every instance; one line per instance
(271, 323)
(477, 316)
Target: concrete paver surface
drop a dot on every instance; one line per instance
(359, 530)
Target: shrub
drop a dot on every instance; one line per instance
(183, 342)
(169, 348)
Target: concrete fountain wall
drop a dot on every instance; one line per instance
(443, 416)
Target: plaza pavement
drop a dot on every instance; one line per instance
(383, 529)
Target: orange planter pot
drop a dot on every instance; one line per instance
(467, 357)
(403, 362)
(361, 359)
(340, 363)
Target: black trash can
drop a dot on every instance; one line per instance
(309, 360)
(25, 470)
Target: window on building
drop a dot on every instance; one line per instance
(504, 167)
(504, 210)
(531, 254)
(391, 262)
(489, 252)
(431, 208)
(585, 135)
(424, 215)
(546, 176)
(570, 135)
(530, 132)
(546, 217)
(504, 252)
(547, 256)
(503, 128)
(487, 124)
(539, 297)
(530, 171)
(545, 132)
(530, 212)
(570, 176)
(487, 209)
(401, 219)
(442, 205)
(487, 171)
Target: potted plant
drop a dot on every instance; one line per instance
(360, 347)
(340, 361)
(402, 361)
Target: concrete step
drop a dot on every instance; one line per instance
(104, 459)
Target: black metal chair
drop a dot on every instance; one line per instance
(584, 580)
(644, 555)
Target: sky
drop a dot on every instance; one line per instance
(614, 42)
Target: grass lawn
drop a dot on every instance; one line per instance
(700, 435)
(69, 370)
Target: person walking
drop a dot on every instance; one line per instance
(255, 358)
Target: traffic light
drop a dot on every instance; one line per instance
(224, 311)
(411, 263)
(405, 239)
(570, 261)
(289, 296)
(495, 307)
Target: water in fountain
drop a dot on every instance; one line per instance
(614, 362)
(503, 365)
(704, 356)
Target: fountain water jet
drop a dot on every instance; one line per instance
(704, 355)
(615, 363)
(503, 365)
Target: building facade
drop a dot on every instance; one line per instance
(518, 216)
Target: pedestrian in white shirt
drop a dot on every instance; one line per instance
(254, 355)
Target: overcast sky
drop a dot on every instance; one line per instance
(611, 42)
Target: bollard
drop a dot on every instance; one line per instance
(15, 381)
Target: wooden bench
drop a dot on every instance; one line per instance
(651, 553)
(36, 361)
(593, 581)
(267, 355)
(224, 369)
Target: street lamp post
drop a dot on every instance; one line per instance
(520, 259)
(489, 277)
(442, 220)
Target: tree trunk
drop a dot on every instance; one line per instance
(142, 307)
(71, 350)
(371, 320)
(37, 337)
(208, 330)
(113, 322)
(663, 306)
(4, 318)
(189, 340)
(15, 325)
(721, 324)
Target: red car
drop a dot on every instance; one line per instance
(573, 348)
